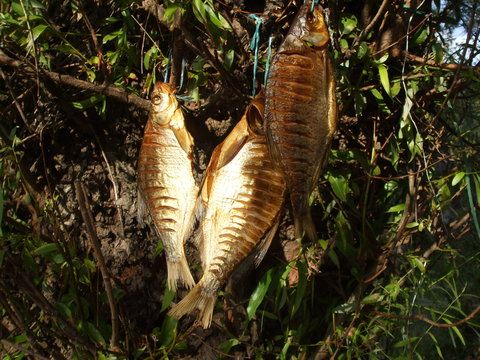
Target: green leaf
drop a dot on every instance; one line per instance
(362, 50)
(383, 72)
(149, 57)
(94, 334)
(259, 293)
(421, 37)
(168, 296)
(339, 186)
(348, 24)
(45, 249)
(458, 177)
(64, 309)
(345, 308)
(227, 345)
(217, 19)
(396, 208)
(411, 225)
(169, 13)
(395, 89)
(88, 103)
(38, 30)
(372, 298)
(229, 56)
(168, 331)
(301, 286)
(199, 11)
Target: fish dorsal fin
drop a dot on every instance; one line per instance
(254, 114)
(177, 125)
(224, 153)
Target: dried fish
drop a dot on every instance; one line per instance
(301, 110)
(242, 196)
(165, 180)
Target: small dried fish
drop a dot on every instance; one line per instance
(301, 110)
(165, 180)
(242, 196)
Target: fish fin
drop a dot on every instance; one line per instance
(184, 139)
(179, 272)
(199, 299)
(141, 208)
(254, 114)
(304, 226)
(232, 144)
(264, 245)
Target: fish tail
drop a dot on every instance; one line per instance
(179, 272)
(304, 226)
(199, 299)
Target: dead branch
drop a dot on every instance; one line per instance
(92, 234)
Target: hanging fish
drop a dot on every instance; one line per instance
(165, 180)
(301, 110)
(242, 196)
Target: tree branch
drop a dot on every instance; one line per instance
(429, 321)
(446, 66)
(372, 23)
(106, 89)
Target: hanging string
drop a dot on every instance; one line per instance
(254, 44)
(182, 74)
(314, 2)
(167, 70)
(267, 64)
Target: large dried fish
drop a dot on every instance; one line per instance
(301, 111)
(165, 180)
(242, 196)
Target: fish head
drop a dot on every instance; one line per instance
(163, 103)
(308, 29)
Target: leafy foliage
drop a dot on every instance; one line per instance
(393, 272)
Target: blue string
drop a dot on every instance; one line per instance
(167, 70)
(182, 74)
(254, 43)
(314, 2)
(267, 64)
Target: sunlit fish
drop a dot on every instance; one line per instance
(165, 180)
(242, 196)
(301, 110)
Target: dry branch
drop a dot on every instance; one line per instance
(92, 234)
(428, 321)
(106, 89)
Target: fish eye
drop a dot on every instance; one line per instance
(310, 17)
(156, 99)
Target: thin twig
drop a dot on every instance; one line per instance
(433, 63)
(372, 23)
(7, 344)
(469, 317)
(92, 234)
(15, 100)
(35, 55)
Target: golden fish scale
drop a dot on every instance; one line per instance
(253, 210)
(161, 164)
(296, 117)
